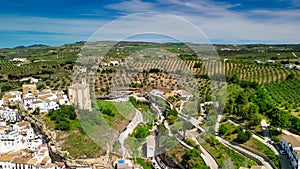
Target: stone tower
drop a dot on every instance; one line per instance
(29, 88)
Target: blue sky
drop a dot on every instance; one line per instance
(65, 21)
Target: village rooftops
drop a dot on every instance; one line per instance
(24, 123)
(24, 160)
(8, 156)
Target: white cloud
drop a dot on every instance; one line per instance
(132, 6)
(52, 25)
(216, 20)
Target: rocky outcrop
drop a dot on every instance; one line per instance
(95, 163)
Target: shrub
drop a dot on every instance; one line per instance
(223, 129)
(63, 125)
(275, 139)
(242, 136)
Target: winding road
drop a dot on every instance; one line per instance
(136, 120)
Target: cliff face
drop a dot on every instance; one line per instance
(56, 152)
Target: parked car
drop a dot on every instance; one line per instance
(270, 142)
(282, 152)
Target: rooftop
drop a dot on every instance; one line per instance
(24, 160)
(24, 123)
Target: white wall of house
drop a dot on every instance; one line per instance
(292, 155)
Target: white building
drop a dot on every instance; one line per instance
(183, 94)
(7, 114)
(271, 61)
(21, 148)
(19, 59)
(114, 63)
(45, 100)
(291, 153)
(12, 97)
(290, 66)
(31, 79)
(18, 136)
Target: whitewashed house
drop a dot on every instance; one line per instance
(8, 114)
(293, 156)
(114, 63)
(12, 97)
(19, 59)
(45, 100)
(289, 66)
(183, 94)
(21, 148)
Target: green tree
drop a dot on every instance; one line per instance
(242, 136)
(275, 139)
(290, 76)
(252, 110)
(223, 129)
(36, 111)
(280, 118)
(254, 120)
(172, 116)
(242, 98)
(63, 125)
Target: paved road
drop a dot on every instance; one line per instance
(160, 112)
(184, 144)
(219, 118)
(265, 128)
(237, 148)
(289, 133)
(157, 93)
(138, 118)
(192, 120)
(207, 158)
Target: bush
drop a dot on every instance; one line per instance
(238, 129)
(107, 111)
(142, 131)
(223, 129)
(172, 116)
(63, 125)
(275, 139)
(6, 88)
(290, 76)
(242, 136)
(62, 117)
(72, 115)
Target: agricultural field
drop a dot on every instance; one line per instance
(286, 99)
(254, 90)
(53, 66)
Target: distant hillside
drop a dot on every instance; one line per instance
(31, 46)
